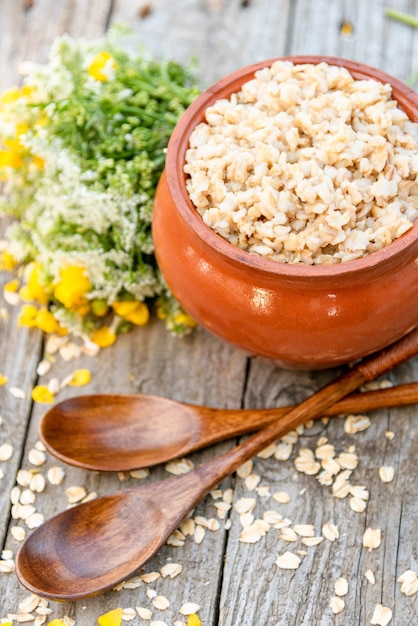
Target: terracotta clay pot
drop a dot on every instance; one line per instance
(302, 317)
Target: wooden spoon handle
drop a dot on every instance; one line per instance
(219, 468)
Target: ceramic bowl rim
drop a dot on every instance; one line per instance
(175, 158)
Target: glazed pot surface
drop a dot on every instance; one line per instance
(299, 316)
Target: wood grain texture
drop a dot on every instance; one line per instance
(235, 583)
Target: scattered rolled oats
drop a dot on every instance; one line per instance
(161, 602)
(150, 577)
(17, 393)
(372, 538)
(370, 577)
(189, 608)
(199, 534)
(55, 475)
(347, 460)
(267, 452)
(382, 615)
(34, 520)
(179, 466)
(245, 470)
(325, 451)
(330, 531)
(337, 605)
(18, 533)
(171, 570)
(281, 496)
(390, 435)
(27, 497)
(341, 587)
(273, 518)
(254, 532)
(283, 451)
(252, 481)
(128, 614)
(6, 451)
(36, 457)
(409, 582)
(37, 483)
(246, 519)
(386, 473)
(304, 530)
(358, 505)
(356, 423)
(306, 462)
(312, 541)
(75, 494)
(288, 534)
(144, 613)
(288, 560)
(245, 505)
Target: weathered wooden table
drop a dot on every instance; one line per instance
(234, 582)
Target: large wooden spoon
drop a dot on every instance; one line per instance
(108, 432)
(98, 544)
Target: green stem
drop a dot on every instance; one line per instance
(399, 16)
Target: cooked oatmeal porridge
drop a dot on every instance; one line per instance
(306, 164)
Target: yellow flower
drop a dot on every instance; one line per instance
(103, 337)
(112, 618)
(134, 312)
(124, 308)
(7, 261)
(139, 316)
(185, 320)
(28, 315)
(102, 66)
(57, 622)
(38, 162)
(193, 620)
(3, 379)
(72, 286)
(12, 286)
(80, 378)
(35, 289)
(10, 95)
(10, 159)
(41, 393)
(46, 321)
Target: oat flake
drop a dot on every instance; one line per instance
(337, 605)
(161, 602)
(372, 538)
(189, 608)
(341, 587)
(6, 451)
(382, 615)
(288, 560)
(128, 614)
(55, 475)
(330, 531)
(409, 582)
(370, 577)
(386, 473)
(143, 612)
(281, 496)
(171, 570)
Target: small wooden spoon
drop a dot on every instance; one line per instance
(98, 544)
(110, 432)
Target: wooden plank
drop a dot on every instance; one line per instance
(277, 596)
(222, 35)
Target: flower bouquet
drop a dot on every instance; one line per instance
(82, 147)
